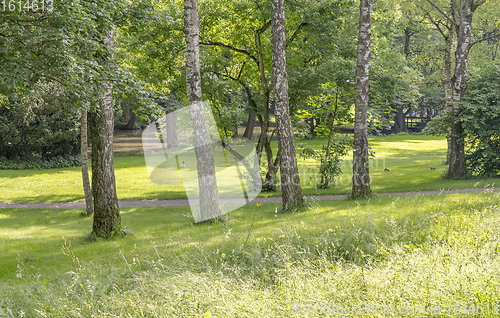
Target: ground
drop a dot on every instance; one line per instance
(401, 253)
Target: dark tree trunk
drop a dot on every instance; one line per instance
(209, 197)
(290, 181)
(107, 218)
(361, 171)
(131, 121)
(89, 204)
(399, 120)
(252, 116)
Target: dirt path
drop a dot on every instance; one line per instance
(166, 203)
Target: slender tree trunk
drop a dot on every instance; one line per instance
(290, 181)
(361, 167)
(209, 197)
(447, 86)
(107, 218)
(89, 204)
(458, 81)
(171, 129)
(264, 119)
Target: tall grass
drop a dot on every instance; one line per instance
(396, 256)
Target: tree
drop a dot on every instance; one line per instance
(290, 181)
(87, 190)
(208, 192)
(107, 220)
(361, 165)
(461, 18)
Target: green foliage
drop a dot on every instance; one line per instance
(480, 118)
(61, 161)
(37, 124)
(330, 159)
(438, 126)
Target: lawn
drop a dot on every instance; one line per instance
(404, 253)
(409, 159)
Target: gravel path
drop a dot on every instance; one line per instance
(166, 203)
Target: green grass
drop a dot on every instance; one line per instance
(409, 159)
(403, 251)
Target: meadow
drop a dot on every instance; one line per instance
(402, 254)
(423, 255)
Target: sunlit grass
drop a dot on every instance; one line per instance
(418, 250)
(409, 159)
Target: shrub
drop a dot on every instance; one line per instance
(62, 161)
(38, 125)
(480, 117)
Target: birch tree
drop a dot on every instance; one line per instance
(361, 168)
(107, 220)
(208, 192)
(291, 191)
(461, 15)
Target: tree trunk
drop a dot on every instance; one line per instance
(107, 220)
(290, 181)
(361, 167)
(264, 119)
(132, 119)
(458, 81)
(447, 86)
(209, 197)
(171, 129)
(399, 120)
(89, 204)
(250, 124)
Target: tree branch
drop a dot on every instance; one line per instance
(294, 35)
(441, 11)
(497, 34)
(211, 43)
(264, 27)
(476, 5)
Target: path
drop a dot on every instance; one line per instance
(166, 203)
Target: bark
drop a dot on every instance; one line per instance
(447, 85)
(89, 204)
(408, 35)
(361, 172)
(399, 121)
(171, 129)
(290, 182)
(107, 218)
(458, 81)
(132, 119)
(250, 124)
(264, 119)
(208, 192)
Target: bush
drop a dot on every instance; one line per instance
(63, 161)
(38, 125)
(480, 118)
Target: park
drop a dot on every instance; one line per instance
(250, 158)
